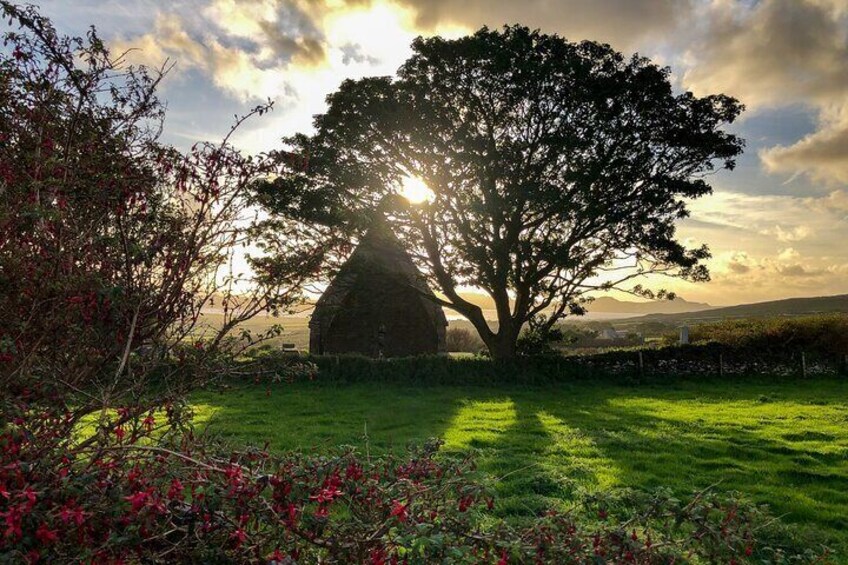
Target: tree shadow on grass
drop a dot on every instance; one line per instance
(793, 461)
(317, 418)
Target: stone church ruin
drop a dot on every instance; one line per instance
(379, 304)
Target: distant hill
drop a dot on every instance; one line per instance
(786, 307)
(610, 304)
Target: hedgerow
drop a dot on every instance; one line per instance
(824, 334)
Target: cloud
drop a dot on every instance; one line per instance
(815, 263)
(788, 254)
(231, 68)
(796, 233)
(244, 46)
(768, 215)
(771, 53)
(166, 41)
(823, 154)
(739, 264)
(798, 270)
(285, 29)
(353, 53)
(776, 53)
(770, 274)
(836, 202)
(622, 23)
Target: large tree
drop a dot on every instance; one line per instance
(557, 169)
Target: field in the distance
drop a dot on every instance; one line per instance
(295, 328)
(784, 444)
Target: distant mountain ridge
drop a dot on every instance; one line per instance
(786, 307)
(610, 304)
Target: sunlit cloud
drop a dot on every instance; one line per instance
(777, 53)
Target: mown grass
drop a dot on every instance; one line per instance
(781, 443)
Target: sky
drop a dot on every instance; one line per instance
(777, 225)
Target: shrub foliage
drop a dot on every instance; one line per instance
(822, 334)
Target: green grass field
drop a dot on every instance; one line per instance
(784, 444)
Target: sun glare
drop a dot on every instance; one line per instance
(416, 190)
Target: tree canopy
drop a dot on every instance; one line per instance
(557, 169)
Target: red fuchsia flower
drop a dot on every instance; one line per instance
(322, 512)
(292, 513)
(277, 557)
(45, 535)
(353, 472)
(30, 495)
(465, 503)
(238, 536)
(378, 556)
(134, 474)
(399, 511)
(3, 492)
(326, 495)
(71, 512)
(233, 474)
(504, 560)
(119, 433)
(176, 490)
(63, 472)
(138, 499)
(13, 522)
(149, 422)
(602, 514)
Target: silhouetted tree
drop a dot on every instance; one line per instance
(557, 169)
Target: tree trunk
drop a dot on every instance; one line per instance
(502, 345)
(502, 349)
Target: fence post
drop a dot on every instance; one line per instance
(720, 364)
(845, 364)
(803, 365)
(641, 365)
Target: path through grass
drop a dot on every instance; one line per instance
(785, 444)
